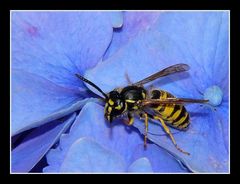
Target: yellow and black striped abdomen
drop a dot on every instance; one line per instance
(174, 115)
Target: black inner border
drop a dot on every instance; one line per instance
(111, 5)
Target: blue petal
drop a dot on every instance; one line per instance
(146, 54)
(36, 101)
(223, 118)
(198, 39)
(203, 37)
(56, 45)
(48, 48)
(159, 159)
(86, 155)
(120, 139)
(140, 165)
(204, 141)
(37, 143)
(91, 123)
(133, 23)
(116, 18)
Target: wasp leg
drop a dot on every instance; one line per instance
(145, 116)
(130, 120)
(170, 134)
(146, 129)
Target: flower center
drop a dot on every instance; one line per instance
(214, 94)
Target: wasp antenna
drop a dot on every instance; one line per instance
(92, 84)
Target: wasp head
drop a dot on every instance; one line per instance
(114, 106)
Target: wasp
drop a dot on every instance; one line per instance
(156, 104)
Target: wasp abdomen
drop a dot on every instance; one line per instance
(175, 115)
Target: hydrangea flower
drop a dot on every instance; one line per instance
(48, 48)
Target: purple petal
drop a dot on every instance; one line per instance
(159, 159)
(116, 18)
(144, 55)
(204, 40)
(91, 123)
(204, 141)
(200, 40)
(48, 48)
(56, 45)
(140, 165)
(86, 155)
(133, 23)
(223, 117)
(36, 101)
(37, 143)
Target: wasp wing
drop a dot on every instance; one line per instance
(179, 101)
(167, 71)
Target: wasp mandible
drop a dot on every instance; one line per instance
(154, 104)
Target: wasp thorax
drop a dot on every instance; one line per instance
(114, 106)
